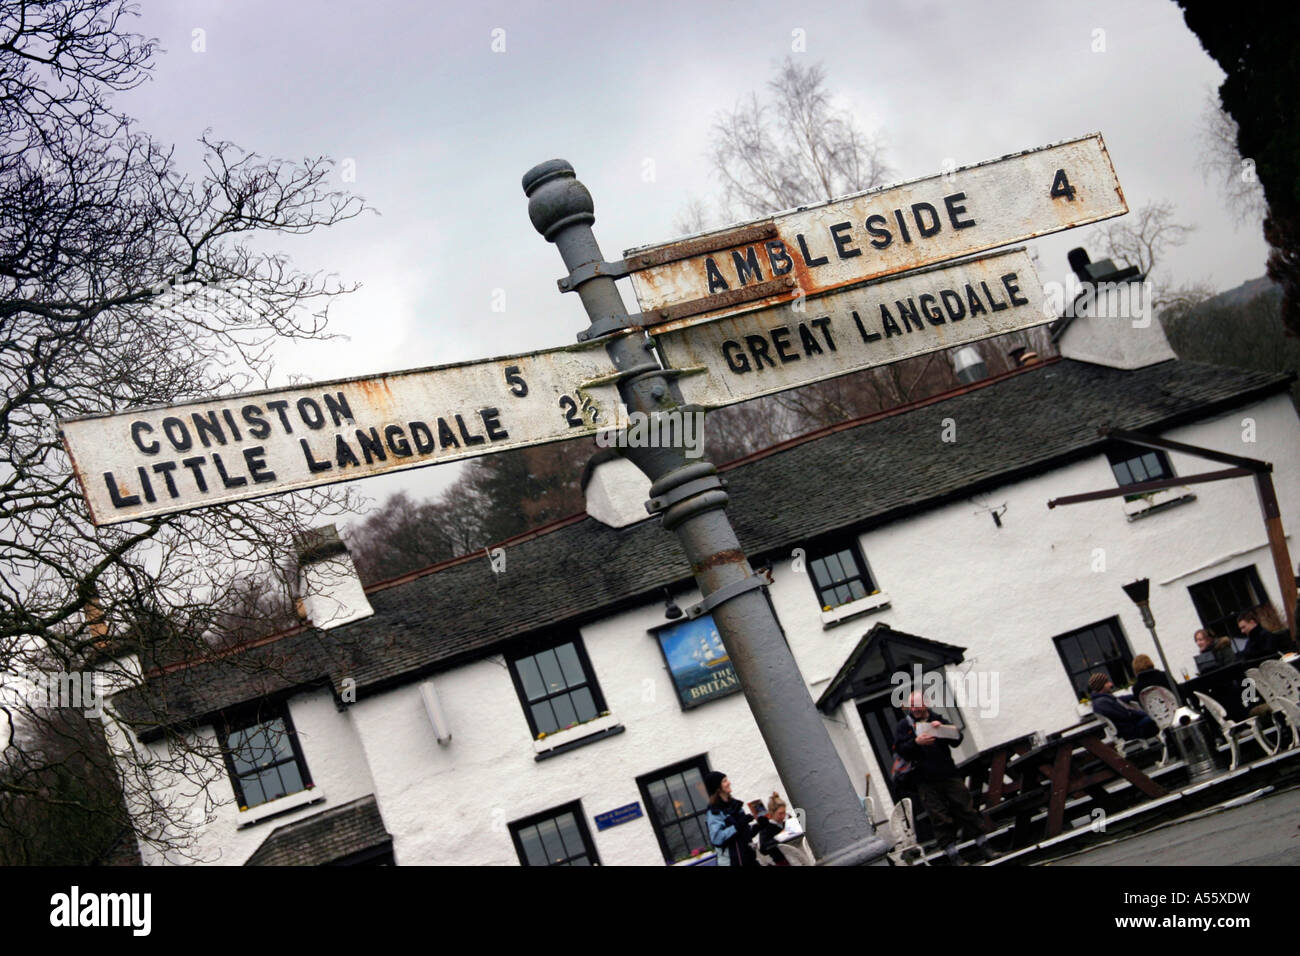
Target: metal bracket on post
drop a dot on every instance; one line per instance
(682, 492)
(724, 594)
(589, 271)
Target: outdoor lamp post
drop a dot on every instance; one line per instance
(1139, 592)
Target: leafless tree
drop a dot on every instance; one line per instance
(127, 281)
(1144, 239)
(1222, 165)
(793, 147)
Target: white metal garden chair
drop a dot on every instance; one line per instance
(1283, 677)
(1278, 701)
(1161, 705)
(1231, 728)
(906, 851)
(1124, 747)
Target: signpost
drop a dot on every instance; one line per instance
(741, 312)
(737, 358)
(154, 461)
(878, 233)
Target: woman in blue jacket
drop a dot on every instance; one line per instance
(730, 825)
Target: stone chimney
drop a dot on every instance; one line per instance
(329, 589)
(616, 490)
(1108, 316)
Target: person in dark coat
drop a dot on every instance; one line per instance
(935, 780)
(1148, 675)
(730, 826)
(770, 827)
(1221, 647)
(1260, 641)
(1130, 721)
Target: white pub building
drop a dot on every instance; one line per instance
(539, 706)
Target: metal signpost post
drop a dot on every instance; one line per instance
(798, 297)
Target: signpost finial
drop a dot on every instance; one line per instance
(556, 199)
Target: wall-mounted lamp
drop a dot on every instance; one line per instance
(671, 610)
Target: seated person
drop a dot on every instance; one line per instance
(1260, 642)
(1131, 723)
(1221, 647)
(770, 827)
(1148, 675)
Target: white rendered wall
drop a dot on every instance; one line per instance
(452, 803)
(211, 831)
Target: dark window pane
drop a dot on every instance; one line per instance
(552, 676)
(544, 718)
(696, 836)
(857, 590)
(1122, 473)
(569, 664)
(681, 799)
(530, 678)
(835, 568)
(277, 736)
(584, 704)
(550, 836)
(291, 775)
(533, 848)
(819, 572)
(253, 794)
(695, 786)
(1073, 657)
(564, 712)
(568, 825)
(676, 841)
(660, 800)
(579, 861)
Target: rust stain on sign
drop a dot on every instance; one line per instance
(877, 234)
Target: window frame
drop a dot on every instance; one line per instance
(554, 813)
(822, 551)
(699, 762)
(1253, 583)
(1121, 453)
(534, 646)
(259, 714)
(1124, 660)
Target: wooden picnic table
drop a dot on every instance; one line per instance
(1022, 778)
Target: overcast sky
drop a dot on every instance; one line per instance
(440, 128)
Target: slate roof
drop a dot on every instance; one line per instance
(324, 838)
(856, 475)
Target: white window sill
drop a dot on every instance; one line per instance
(1157, 501)
(562, 737)
(700, 860)
(273, 808)
(872, 602)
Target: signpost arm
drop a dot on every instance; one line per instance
(839, 832)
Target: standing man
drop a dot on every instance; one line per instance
(934, 777)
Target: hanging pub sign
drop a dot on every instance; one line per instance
(699, 665)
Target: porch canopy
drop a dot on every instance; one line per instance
(882, 653)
